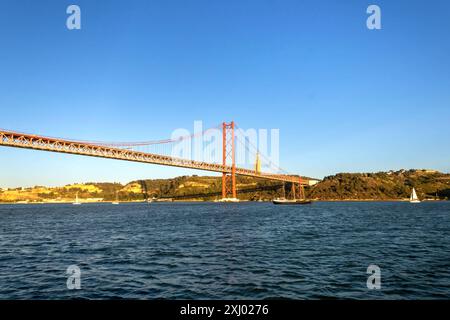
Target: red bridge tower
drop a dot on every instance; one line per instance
(228, 159)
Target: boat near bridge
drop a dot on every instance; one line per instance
(291, 201)
(302, 199)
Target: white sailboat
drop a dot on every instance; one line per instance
(413, 198)
(77, 202)
(117, 199)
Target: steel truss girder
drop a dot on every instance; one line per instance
(35, 142)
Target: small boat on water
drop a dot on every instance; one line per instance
(77, 202)
(294, 201)
(117, 199)
(414, 198)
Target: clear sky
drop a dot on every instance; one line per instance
(345, 98)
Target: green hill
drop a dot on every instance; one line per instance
(382, 185)
(343, 186)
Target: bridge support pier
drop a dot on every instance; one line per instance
(228, 160)
(301, 191)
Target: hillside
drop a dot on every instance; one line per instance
(382, 185)
(179, 188)
(343, 186)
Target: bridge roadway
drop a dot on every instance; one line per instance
(36, 142)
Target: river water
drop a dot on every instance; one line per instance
(225, 251)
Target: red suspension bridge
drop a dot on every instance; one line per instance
(161, 152)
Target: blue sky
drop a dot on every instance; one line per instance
(345, 98)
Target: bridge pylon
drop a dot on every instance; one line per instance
(228, 160)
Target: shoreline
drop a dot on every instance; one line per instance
(212, 201)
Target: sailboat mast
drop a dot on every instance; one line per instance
(301, 189)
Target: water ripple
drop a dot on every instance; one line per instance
(225, 251)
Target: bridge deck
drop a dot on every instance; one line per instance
(35, 142)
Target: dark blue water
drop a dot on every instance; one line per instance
(225, 251)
